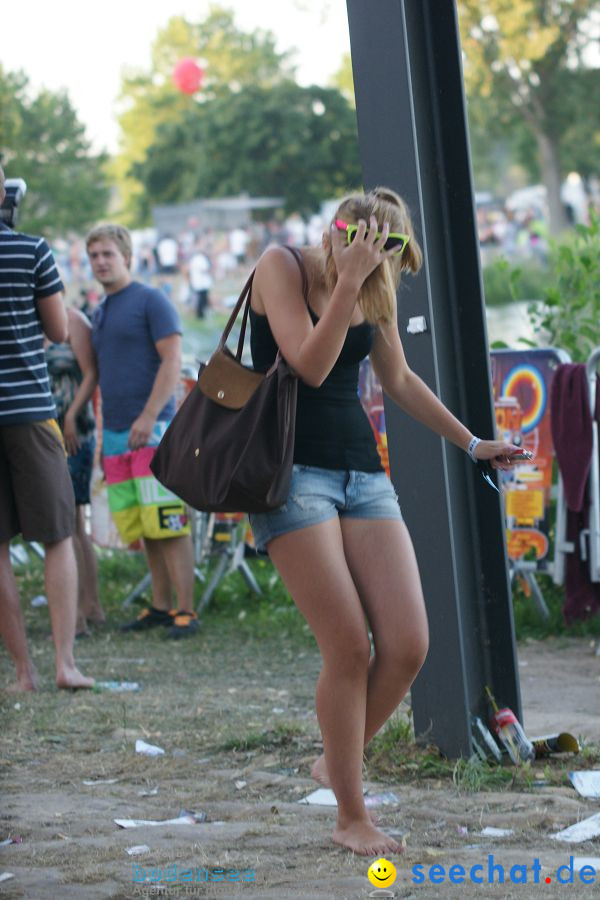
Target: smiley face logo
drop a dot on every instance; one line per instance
(382, 873)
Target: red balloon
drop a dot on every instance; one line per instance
(188, 75)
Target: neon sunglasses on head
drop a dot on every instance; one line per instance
(394, 240)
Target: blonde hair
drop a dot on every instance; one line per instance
(378, 292)
(116, 233)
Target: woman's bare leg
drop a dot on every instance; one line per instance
(383, 566)
(81, 620)
(87, 568)
(313, 567)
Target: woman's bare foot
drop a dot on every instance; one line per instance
(363, 838)
(320, 774)
(96, 615)
(72, 678)
(25, 682)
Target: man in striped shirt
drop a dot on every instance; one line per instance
(36, 494)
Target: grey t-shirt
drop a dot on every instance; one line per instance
(125, 328)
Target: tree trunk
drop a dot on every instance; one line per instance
(551, 178)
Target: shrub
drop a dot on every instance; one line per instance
(570, 315)
(503, 283)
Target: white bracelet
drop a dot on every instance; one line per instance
(471, 448)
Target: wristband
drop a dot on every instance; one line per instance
(471, 448)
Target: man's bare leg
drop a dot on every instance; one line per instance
(12, 625)
(60, 569)
(178, 556)
(161, 585)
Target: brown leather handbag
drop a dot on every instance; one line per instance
(230, 446)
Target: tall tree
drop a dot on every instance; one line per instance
(284, 140)
(526, 55)
(343, 79)
(43, 142)
(232, 58)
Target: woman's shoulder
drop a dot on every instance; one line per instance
(77, 318)
(279, 259)
(80, 327)
(274, 255)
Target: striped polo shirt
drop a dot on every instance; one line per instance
(27, 273)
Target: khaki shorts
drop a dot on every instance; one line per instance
(36, 493)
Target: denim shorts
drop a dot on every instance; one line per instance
(317, 495)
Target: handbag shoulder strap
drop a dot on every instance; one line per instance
(244, 298)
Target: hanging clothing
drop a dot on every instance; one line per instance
(571, 424)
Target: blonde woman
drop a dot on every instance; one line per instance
(339, 542)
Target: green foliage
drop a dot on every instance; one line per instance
(529, 87)
(472, 775)
(284, 140)
(43, 142)
(570, 317)
(529, 623)
(151, 102)
(394, 755)
(280, 736)
(343, 79)
(272, 613)
(398, 731)
(578, 121)
(503, 282)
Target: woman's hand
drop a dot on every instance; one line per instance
(355, 262)
(498, 453)
(70, 434)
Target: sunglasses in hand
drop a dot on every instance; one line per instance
(394, 240)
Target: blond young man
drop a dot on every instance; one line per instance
(136, 334)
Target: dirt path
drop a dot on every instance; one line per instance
(233, 710)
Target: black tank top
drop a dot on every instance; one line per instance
(332, 428)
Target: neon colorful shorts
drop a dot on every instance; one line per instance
(139, 504)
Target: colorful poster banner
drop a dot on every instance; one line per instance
(371, 397)
(521, 381)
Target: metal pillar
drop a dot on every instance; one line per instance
(413, 137)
